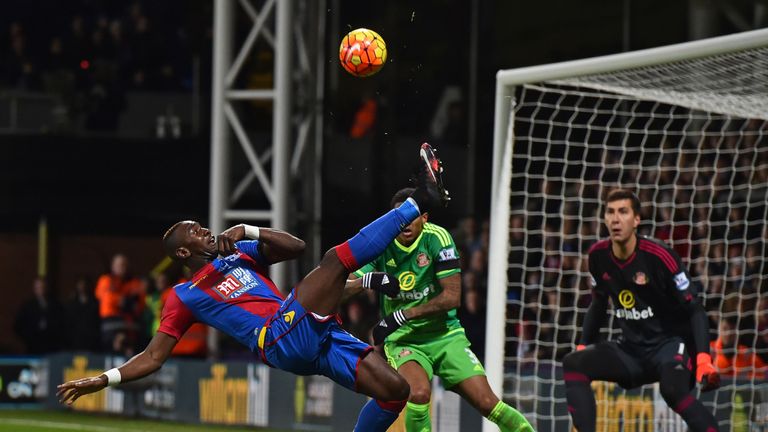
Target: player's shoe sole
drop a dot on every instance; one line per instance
(434, 171)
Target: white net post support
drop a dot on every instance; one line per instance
(681, 125)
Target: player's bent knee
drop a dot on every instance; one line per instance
(672, 394)
(420, 395)
(486, 404)
(674, 384)
(329, 256)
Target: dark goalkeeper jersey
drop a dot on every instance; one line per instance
(651, 294)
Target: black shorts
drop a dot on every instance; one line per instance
(644, 364)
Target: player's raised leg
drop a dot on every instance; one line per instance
(321, 291)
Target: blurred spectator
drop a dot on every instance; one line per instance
(732, 358)
(762, 328)
(472, 316)
(19, 68)
(83, 323)
(155, 296)
(365, 118)
(89, 54)
(355, 321)
(39, 322)
(105, 98)
(150, 314)
(465, 234)
(120, 304)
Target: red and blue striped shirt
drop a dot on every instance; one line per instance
(232, 294)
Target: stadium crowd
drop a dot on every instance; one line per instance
(117, 314)
(89, 54)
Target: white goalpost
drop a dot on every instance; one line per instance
(685, 127)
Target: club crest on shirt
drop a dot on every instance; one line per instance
(422, 260)
(640, 278)
(404, 352)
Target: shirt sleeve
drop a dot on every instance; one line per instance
(444, 253)
(176, 318)
(252, 249)
(596, 313)
(678, 284)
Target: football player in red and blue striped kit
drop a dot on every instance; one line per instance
(664, 335)
(230, 290)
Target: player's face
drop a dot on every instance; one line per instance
(197, 240)
(621, 220)
(412, 231)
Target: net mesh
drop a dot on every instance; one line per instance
(689, 139)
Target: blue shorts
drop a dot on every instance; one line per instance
(298, 341)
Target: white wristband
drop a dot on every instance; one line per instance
(400, 318)
(252, 232)
(113, 377)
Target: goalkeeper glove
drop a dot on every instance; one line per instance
(706, 374)
(382, 282)
(388, 325)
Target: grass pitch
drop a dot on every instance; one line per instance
(55, 421)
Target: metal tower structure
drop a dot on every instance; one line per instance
(289, 27)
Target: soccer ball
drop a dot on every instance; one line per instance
(362, 52)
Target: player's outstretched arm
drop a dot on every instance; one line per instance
(449, 298)
(381, 282)
(276, 245)
(352, 287)
(141, 365)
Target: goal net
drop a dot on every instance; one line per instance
(684, 127)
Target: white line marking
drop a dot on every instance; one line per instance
(61, 425)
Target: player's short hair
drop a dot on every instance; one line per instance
(400, 196)
(620, 194)
(171, 241)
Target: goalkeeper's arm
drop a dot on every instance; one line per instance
(594, 318)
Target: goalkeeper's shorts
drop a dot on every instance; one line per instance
(298, 341)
